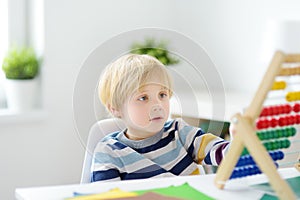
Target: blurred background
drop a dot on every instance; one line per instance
(42, 146)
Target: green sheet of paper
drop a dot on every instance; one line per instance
(294, 183)
(184, 191)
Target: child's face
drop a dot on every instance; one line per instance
(146, 111)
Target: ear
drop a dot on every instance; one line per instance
(115, 112)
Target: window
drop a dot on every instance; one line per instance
(21, 24)
(3, 46)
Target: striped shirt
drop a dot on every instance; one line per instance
(176, 150)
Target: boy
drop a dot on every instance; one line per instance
(137, 89)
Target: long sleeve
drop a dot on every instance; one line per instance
(205, 148)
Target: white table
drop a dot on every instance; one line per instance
(235, 189)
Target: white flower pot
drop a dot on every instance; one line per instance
(22, 95)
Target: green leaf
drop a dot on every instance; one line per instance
(20, 63)
(156, 49)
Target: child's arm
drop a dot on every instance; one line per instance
(205, 148)
(209, 149)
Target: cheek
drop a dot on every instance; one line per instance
(138, 114)
(166, 106)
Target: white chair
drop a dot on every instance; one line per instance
(96, 133)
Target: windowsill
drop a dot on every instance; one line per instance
(8, 116)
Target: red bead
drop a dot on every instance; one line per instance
(287, 108)
(274, 122)
(281, 109)
(262, 123)
(297, 120)
(267, 112)
(275, 110)
(282, 121)
(290, 120)
(296, 107)
(258, 124)
(263, 113)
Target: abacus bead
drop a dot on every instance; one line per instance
(281, 155)
(241, 161)
(280, 133)
(274, 146)
(276, 133)
(285, 143)
(296, 107)
(250, 160)
(292, 131)
(277, 155)
(297, 119)
(274, 122)
(287, 108)
(257, 170)
(263, 113)
(258, 134)
(238, 173)
(280, 109)
(271, 134)
(276, 110)
(258, 124)
(267, 135)
(269, 111)
(251, 170)
(268, 145)
(285, 132)
(288, 144)
(282, 121)
(265, 123)
(291, 120)
(288, 97)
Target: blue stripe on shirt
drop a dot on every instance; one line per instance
(104, 175)
(169, 156)
(105, 158)
(182, 165)
(117, 146)
(146, 172)
(190, 150)
(162, 143)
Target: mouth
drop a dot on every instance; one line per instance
(156, 118)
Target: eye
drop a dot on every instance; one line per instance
(143, 98)
(163, 95)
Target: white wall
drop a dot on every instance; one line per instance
(48, 151)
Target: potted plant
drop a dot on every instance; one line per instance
(157, 49)
(21, 68)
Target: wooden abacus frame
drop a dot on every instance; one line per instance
(245, 135)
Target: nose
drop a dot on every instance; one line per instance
(156, 108)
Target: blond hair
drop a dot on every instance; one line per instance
(127, 74)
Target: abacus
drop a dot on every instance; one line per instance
(262, 131)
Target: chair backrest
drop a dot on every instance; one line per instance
(96, 133)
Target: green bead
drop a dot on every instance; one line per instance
(275, 145)
(280, 133)
(271, 134)
(275, 133)
(287, 144)
(293, 131)
(259, 135)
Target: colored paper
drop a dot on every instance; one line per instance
(150, 196)
(184, 191)
(294, 183)
(111, 194)
(181, 192)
